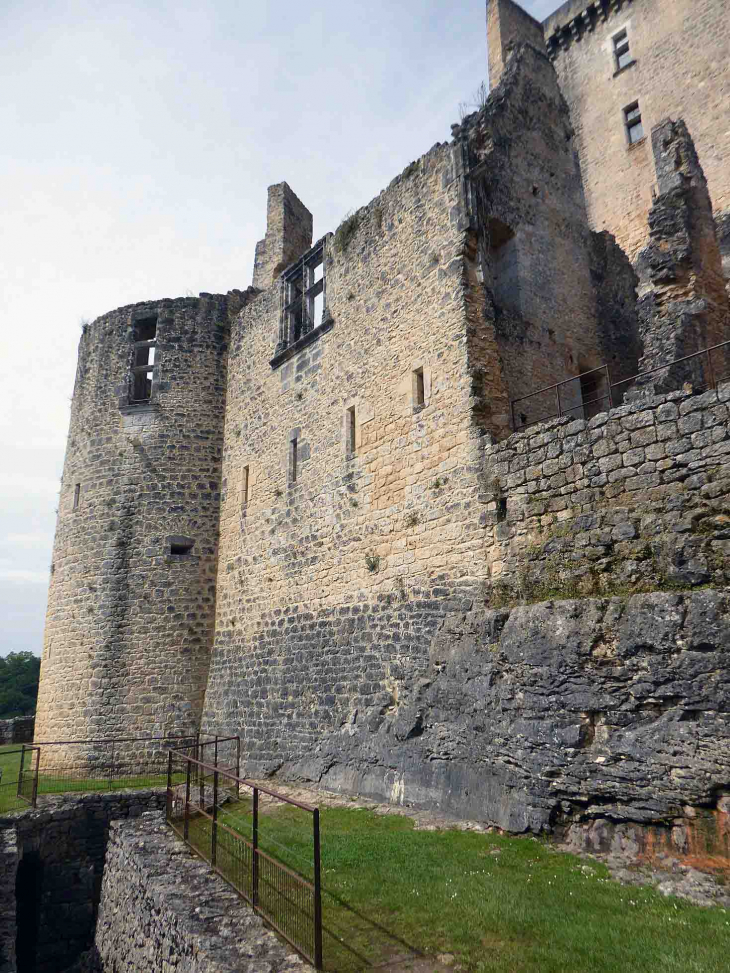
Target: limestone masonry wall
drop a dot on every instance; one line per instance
(163, 908)
(18, 730)
(679, 69)
(129, 624)
(54, 861)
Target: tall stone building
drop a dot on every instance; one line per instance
(316, 513)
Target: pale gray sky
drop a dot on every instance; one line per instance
(139, 141)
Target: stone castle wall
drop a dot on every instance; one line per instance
(680, 69)
(17, 730)
(129, 624)
(330, 585)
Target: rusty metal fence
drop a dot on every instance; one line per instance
(206, 807)
(60, 767)
(19, 786)
(593, 391)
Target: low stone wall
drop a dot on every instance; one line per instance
(18, 730)
(57, 854)
(635, 499)
(162, 909)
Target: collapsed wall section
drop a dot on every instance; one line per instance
(131, 606)
(351, 511)
(534, 245)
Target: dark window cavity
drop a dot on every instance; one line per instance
(632, 120)
(419, 387)
(293, 460)
(304, 298)
(77, 496)
(145, 341)
(181, 545)
(501, 509)
(621, 51)
(351, 431)
(244, 486)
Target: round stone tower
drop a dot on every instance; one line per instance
(131, 604)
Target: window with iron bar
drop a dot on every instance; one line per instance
(634, 126)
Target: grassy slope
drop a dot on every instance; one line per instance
(511, 905)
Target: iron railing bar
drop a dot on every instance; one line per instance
(249, 783)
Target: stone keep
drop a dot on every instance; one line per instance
(316, 517)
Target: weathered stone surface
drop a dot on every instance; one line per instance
(572, 710)
(162, 908)
(60, 846)
(18, 730)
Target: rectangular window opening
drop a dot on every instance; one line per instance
(632, 120)
(501, 509)
(143, 361)
(293, 450)
(419, 387)
(244, 487)
(181, 545)
(351, 431)
(621, 50)
(77, 496)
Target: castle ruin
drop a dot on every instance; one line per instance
(323, 512)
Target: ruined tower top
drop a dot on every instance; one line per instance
(508, 24)
(288, 235)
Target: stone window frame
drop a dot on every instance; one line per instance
(300, 288)
(144, 360)
(620, 47)
(77, 496)
(632, 120)
(350, 430)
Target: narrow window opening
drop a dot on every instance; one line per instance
(181, 545)
(351, 427)
(77, 496)
(634, 126)
(304, 298)
(145, 336)
(501, 509)
(419, 387)
(293, 450)
(244, 486)
(621, 50)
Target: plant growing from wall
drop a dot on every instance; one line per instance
(372, 562)
(346, 231)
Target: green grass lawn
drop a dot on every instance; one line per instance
(54, 784)
(499, 904)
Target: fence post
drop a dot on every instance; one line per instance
(35, 777)
(215, 752)
(168, 802)
(238, 767)
(255, 850)
(709, 369)
(317, 895)
(19, 792)
(608, 385)
(214, 829)
(186, 824)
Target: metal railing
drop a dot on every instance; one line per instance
(198, 811)
(63, 766)
(610, 397)
(19, 789)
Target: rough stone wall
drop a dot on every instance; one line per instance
(129, 625)
(633, 498)
(65, 843)
(288, 235)
(683, 305)
(534, 241)
(508, 25)
(559, 714)
(161, 907)
(18, 730)
(329, 587)
(8, 924)
(680, 69)
(615, 282)
(722, 223)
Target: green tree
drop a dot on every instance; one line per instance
(19, 676)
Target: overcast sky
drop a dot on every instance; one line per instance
(139, 141)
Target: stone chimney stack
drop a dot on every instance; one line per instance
(508, 24)
(288, 235)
